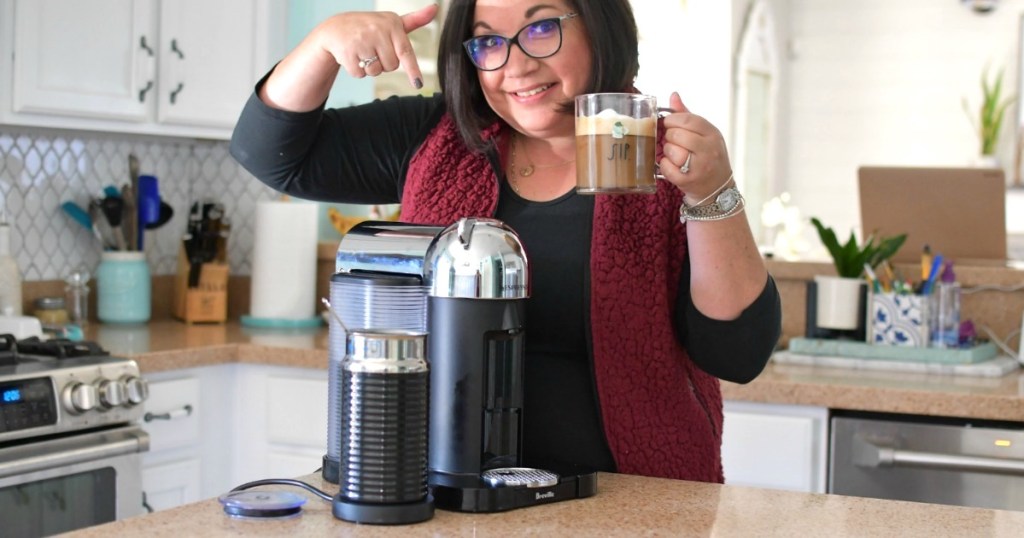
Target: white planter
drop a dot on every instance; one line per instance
(838, 302)
(987, 161)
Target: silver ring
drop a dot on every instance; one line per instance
(685, 168)
(366, 62)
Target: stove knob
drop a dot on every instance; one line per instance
(79, 398)
(137, 389)
(112, 393)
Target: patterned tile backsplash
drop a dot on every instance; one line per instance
(41, 169)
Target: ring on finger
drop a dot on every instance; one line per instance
(366, 62)
(685, 168)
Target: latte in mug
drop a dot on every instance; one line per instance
(615, 153)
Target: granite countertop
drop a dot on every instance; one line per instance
(170, 345)
(624, 506)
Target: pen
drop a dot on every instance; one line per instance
(926, 262)
(875, 286)
(932, 274)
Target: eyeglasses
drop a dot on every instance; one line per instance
(539, 39)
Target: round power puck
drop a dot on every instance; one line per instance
(262, 504)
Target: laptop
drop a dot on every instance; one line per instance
(958, 212)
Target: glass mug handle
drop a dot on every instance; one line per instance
(662, 112)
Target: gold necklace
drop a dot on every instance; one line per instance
(527, 170)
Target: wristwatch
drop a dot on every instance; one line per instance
(728, 203)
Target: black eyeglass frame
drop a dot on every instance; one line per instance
(509, 41)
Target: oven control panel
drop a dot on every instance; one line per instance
(82, 393)
(27, 403)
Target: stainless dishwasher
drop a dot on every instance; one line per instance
(945, 461)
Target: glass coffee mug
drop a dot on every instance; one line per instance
(616, 135)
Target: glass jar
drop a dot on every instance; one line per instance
(123, 287)
(76, 295)
(51, 311)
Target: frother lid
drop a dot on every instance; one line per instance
(385, 247)
(385, 351)
(477, 258)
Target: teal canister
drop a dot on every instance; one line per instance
(124, 287)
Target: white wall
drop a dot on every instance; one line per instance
(686, 46)
(881, 82)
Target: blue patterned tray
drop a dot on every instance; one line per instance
(863, 350)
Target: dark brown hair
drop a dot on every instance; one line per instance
(612, 33)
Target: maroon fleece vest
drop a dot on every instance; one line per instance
(662, 415)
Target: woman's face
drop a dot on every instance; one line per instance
(528, 92)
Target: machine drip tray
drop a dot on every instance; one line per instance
(573, 483)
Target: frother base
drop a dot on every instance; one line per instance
(383, 514)
(502, 498)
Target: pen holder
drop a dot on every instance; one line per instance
(898, 319)
(206, 302)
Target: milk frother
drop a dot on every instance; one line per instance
(378, 285)
(383, 423)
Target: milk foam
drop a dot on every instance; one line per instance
(605, 123)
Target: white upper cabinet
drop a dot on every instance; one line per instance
(84, 58)
(164, 67)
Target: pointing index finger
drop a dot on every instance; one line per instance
(403, 47)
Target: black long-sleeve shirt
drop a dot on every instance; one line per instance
(360, 155)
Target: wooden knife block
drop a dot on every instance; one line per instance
(206, 303)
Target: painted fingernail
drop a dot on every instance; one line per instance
(418, 84)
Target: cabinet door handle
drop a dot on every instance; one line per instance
(176, 91)
(145, 46)
(145, 90)
(176, 50)
(144, 62)
(170, 415)
(869, 454)
(175, 70)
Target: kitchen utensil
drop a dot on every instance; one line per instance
(133, 181)
(81, 216)
(148, 199)
(130, 219)
(133, 172)
(101, 224)
(113, 209)
(166, 214)
(194, 244)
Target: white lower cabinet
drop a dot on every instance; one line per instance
(171, 484)
(214, 428)
(282, 423)
(775, 446)
(188, 419)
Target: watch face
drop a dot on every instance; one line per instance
(728, 199)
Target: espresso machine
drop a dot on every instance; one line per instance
(477, 281)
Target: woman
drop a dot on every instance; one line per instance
(633, 314)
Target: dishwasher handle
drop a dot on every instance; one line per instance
(869, 454)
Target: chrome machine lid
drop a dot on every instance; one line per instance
(385, 247)
(477, 258)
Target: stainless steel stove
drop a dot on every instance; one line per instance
(70, 442)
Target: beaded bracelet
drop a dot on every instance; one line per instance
(712, 211)
(716, 191)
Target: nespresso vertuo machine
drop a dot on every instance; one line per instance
(477, 278)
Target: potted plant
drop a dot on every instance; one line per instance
(989, 120)
(838, 297)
